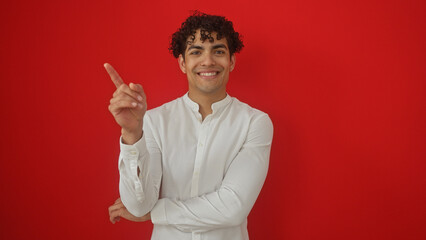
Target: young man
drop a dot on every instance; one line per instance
(196, 165)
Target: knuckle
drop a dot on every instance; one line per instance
(123, 87)
(119, 95)
(125, 103)
(121, 103)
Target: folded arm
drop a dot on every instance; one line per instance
(231, 203)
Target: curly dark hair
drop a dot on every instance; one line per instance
(207, 25)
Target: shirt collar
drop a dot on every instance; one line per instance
(217, 106)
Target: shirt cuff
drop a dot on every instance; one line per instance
(158, 213)
(129, 154)
(129, 162)
(140, 145)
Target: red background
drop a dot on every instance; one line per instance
(343, 81)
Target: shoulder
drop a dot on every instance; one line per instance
(260, 127)
(246, 111)
(161, 116)
(165, 109)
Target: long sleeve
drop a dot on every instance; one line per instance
(139, 193)
(231, 203)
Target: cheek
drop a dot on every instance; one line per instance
(190, 66)
(225, 63)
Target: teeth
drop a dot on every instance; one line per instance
(208, 74)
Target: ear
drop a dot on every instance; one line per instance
(182, 64)
(233, 60)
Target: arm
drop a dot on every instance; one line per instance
(140, 158)
(140, 173)
(231, 203)
(118, 211)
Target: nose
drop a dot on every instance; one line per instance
(208, 60)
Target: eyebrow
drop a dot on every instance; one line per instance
(195, 47)
(216, 46)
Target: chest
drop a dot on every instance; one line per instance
(196, 155)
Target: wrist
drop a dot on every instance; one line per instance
(131, 137)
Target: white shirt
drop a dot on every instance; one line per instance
(198, 178)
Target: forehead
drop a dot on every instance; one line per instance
(197, 40)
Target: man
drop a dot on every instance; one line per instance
(196, 165)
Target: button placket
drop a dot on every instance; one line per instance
(198, 158)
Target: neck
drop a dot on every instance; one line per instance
(205, 101)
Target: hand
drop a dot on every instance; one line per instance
(128, 106)
(118, 210)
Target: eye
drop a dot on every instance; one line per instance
(220, 52)
(196, 52)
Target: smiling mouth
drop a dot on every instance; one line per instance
(208, 74)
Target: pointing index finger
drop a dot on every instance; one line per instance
(116, 79)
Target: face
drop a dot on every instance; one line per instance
(207, 66)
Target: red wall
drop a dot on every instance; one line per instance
(343, 81)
